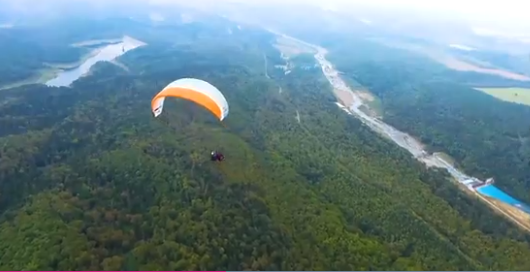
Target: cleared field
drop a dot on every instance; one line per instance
(446, 158)
(453, 62)
(515, 95)
(344, 97)
(459, 65)
(374, 107)
(515, 215)
(521, 218)
(290, 47)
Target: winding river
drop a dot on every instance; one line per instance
(104, 53)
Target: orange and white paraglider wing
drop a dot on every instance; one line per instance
(196, 90)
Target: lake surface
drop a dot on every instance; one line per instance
(103, 53)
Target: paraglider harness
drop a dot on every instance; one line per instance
(216, 156)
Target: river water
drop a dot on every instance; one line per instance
(402, 139)
(104, 53)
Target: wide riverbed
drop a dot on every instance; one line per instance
(402, 139)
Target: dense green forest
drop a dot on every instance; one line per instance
(29, 53)
(34, 48)
(486, 136)
(90, 180)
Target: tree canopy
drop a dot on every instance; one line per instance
(90, 180)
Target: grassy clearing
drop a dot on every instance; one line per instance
(374, 106)
(446, 158)
(457, 63)
(521, 218)
(514, 95)
(460, 65)
(371, 104)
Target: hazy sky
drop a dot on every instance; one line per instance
(498, 11)
(502, 12)
(494, 11)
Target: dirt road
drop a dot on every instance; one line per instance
(351, 101)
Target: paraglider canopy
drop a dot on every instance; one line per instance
(196, 90)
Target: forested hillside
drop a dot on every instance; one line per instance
(27, 53)
(486, 136)
(90, 180)
(30, 50)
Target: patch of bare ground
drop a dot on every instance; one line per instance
(121, 65)
(344, 96)
(445, 157)
(95, 42)
(517, 216)
(289, 47)
(460, 65)
(366, 96)
(372, 105)
(453, 62)
(515, 212)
